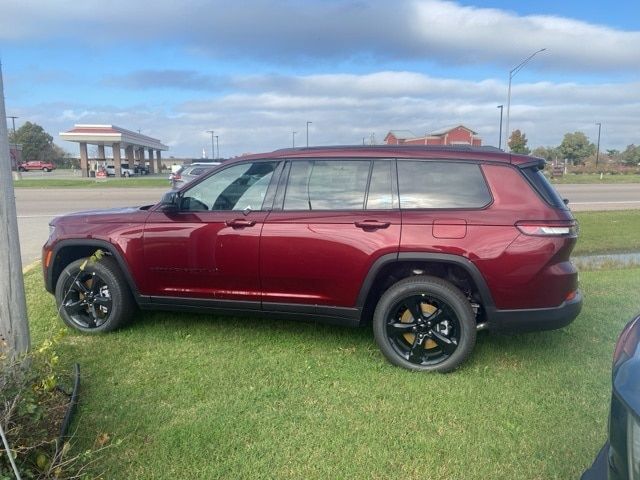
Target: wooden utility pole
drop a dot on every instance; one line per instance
(14, 327)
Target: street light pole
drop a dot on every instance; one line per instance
(15, 146)
(293, 140)
(512, 73)
(308, 133)
(14, 326)
(217, 149)
(598, 147)
(501, 107)
(213, 153)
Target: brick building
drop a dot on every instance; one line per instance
(458, 135)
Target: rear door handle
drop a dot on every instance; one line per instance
(240, 223)
(371, 224)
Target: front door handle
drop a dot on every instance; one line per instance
(240, 223)
(371, 224)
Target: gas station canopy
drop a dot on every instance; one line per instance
(134, 144)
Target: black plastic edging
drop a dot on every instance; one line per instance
(73, 403)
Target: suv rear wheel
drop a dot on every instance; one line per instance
(424, 323)
(93, 296)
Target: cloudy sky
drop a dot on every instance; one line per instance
(255, 71)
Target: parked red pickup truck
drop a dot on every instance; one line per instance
(36, 165)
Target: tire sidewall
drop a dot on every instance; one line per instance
(104, 269)
(443, 291)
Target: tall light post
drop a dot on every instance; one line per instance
(217, 149)
(293, 139)
(213, 153)
(308, 133)
(501, 107)
(512, 73)
(15, 145)
(598, 147)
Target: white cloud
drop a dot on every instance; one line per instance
(344, 108)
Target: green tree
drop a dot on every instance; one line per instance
(612, 152)
(631, 155)
(575, 147)
(548, 153)
(518, 142)
(36, 143)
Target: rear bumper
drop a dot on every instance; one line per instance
(533, 320)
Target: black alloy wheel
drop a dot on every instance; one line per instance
(425, 323)
(93, 296)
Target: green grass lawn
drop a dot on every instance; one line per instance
(92, 183)
(608, 232)
(198, 396)
(595, 178)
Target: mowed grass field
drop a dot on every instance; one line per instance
(201, 396)
(608, 232)
(595, 178)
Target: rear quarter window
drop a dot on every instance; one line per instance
(439, 185)
(541, 185)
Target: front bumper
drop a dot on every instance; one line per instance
(536, 319)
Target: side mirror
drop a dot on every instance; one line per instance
(565, 201)
(170, 202)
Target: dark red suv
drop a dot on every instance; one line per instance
(429, 244)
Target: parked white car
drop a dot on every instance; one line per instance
(125, 171)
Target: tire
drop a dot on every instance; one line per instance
(126, 174)
(96, 299)
(440, 339)
(45, 169)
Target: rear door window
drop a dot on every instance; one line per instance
(327, 185)
(440, 185)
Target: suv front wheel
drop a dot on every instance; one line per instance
(424, 323)
(93, 296)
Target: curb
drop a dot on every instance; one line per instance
(30, 267)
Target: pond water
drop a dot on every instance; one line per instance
(591, 262)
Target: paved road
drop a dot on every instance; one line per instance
(601, 197)
(36, 207)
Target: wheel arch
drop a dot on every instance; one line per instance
(390, 268)
(67, 251)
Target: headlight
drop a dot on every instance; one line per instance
(51, 230)
(633, 446)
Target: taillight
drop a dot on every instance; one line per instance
(628, 340)
(548, 229)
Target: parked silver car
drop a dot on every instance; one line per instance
(186, 173)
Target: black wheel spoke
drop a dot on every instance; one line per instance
(81, 287)
(416, 354)
(414, 304)
(434, 317)
(95, 284)
(73, 307)
(91, 318)
(103, 301)
(398, 328)
(447, 344)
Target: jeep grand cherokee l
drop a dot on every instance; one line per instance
(429, 244)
